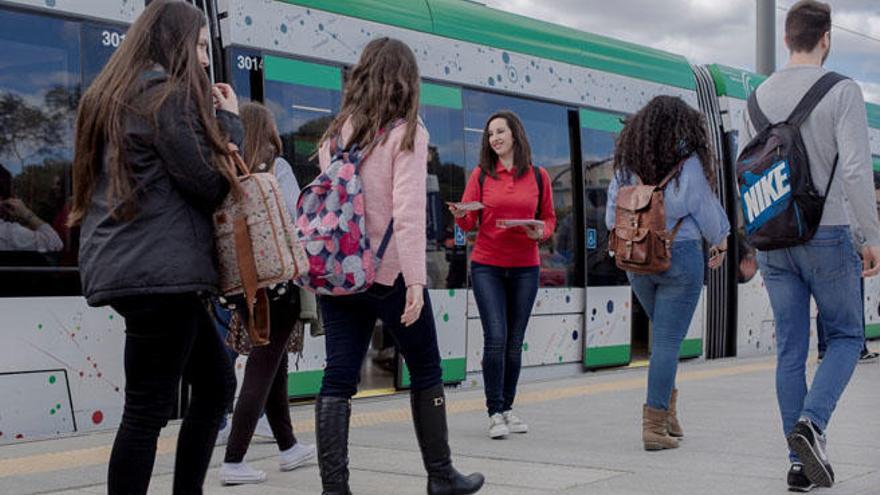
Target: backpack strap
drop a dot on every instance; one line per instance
(812, 98)
(756, 115)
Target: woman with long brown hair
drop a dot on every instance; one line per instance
(265, 375)
(149, 171)
(380, 115)
(505, 264)
(667, 142)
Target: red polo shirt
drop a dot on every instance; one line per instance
(507, 198)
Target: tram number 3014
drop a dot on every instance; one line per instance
(112, 38)
(249, 63)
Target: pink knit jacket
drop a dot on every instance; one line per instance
(395, 183)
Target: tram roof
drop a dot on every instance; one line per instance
(739, 83)
(475, 23)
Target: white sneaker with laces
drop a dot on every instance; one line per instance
(295, 456)
(497, 426)
(263, 432)
(239, 473)
(514, 424)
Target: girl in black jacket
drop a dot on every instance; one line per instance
(148, 173)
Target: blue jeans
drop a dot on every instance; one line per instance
(820, 327)
(504, 298)
(670, 299)
(828, 268)
(348, 327)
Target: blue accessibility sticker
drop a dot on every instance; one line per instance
(460, 239)
(592, 238)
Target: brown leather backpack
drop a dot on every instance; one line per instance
(639, 241)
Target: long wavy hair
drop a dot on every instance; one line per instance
(659, 137)
(381, 88)
(522, 152)
(262, 144)
(167, 34)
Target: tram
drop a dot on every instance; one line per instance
(61, 361)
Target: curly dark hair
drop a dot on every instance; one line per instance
(659, 137)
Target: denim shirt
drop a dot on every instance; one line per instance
(689, 197)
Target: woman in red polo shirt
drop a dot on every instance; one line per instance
(516, 214)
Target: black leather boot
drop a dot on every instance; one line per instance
(331, 427)
(429, 418)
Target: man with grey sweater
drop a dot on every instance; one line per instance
(826, 267)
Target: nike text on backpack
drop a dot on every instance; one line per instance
(781, 206)
(255, 244)
(331, 227)
(639, 241)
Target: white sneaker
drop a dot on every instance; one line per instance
(239, 473)
(296, 456)
(514, 424)
(263, 432)
(497, 426)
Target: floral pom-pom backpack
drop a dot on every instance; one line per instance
(331, 227)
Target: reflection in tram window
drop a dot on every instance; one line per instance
(446, 252)
(877, 181)
(598, 135)
(546, 125)
(99, 42)
(304, 97)
(40, 84)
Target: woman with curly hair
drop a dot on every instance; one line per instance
(668, 139)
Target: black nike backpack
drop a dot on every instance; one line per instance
(781, 206)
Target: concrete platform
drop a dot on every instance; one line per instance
(584, 439)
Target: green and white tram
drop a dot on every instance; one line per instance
(61, 361)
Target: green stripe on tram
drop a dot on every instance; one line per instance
(612, 355)
(691, 348)
(440, 96)
(454, 370)
(291, 71)
(600, 121)
(872, 331)
(304, 383)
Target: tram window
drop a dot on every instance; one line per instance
(547, 128)
(304, 97)
(599, 132)
(246, 68)
(39, 89)
(441, 111)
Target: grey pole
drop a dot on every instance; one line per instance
(765, 62)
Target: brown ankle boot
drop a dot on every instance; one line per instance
(673, 426)
(654, 434)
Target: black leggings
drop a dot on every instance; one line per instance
(265, 384)
(167, 338)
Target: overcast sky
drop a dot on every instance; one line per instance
(720, 31)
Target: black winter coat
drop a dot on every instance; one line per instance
(168, 247)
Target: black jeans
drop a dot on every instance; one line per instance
(265, 384)
(168, 337)
(348, 327)
(504, 298)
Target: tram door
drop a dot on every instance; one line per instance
(618, 330)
